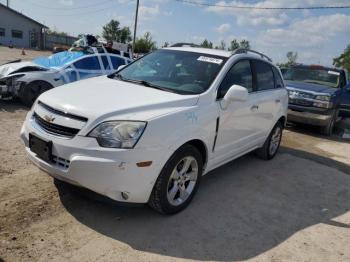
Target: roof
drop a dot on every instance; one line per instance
(216, 52)
(20, 14)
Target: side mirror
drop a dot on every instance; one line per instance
(235, 93)
(121, 67)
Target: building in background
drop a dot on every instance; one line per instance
(19, 30)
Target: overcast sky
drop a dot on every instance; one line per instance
(317, 35)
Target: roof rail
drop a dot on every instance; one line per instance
(245, 51)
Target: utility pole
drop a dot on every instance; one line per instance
(135, 27)
(8, 3)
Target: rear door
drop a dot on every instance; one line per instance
(268, 96)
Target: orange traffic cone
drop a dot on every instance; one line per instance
(23, 51)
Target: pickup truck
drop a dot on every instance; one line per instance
(318, 95)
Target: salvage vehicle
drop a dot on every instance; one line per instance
(317, 95)
(147, 133)
(27, 80)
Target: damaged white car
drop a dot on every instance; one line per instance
(27, 80)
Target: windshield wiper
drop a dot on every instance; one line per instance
(144, 83)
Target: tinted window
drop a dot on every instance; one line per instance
(88, 63)
(264, 76)
(117, 61)
(278, 79)
(239, 74)
(105, 62)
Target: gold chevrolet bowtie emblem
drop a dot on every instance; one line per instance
(49, 118)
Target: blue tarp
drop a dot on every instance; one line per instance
(58, 60)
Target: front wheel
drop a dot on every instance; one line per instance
(272, 143)
(30, 92)
(178, 181)
(328, 129)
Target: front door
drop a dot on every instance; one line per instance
(237, 130)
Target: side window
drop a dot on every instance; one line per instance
(264, 76)
(117, 61)
(88, 63)
(239, 74)
(342, 81)
(278, 79)
(17, 34)
(105, 62)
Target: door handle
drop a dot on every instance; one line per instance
(254, 107)
(278, 101)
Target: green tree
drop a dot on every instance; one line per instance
(343, 60)
(222, 45)
(292, 58)
(125, 35)
(233, 45)
(206, 44)
(145, 44)
(244, 44)
(113, 32)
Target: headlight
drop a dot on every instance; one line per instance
(323, 97)
(118, 134)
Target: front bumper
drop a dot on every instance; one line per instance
(311, 117)
(82, 162)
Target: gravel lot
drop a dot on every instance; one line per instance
(293, 208)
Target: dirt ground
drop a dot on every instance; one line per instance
(11, 54)
(293, 208)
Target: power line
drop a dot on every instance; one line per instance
(263, 8)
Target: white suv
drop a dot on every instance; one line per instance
(147, 133)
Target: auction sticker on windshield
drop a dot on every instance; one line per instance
(210, 60)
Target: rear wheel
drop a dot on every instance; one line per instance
(30, 92)
(178, 181)
(272, 143)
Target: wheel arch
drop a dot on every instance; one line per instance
(283, 120)
(202, 148)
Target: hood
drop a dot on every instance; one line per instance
(102, 98)
(12, 68)
(310, 87)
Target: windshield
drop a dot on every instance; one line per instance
(175, 71)
(313, 75)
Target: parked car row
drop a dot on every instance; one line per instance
(147, 132)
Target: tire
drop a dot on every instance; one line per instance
(176, 185)
(328, 129)
(272, 143)
(30, 92)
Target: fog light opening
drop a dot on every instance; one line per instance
(125, 195)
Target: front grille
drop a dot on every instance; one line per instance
(53, 128)
(58, 112)
(300, 102)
